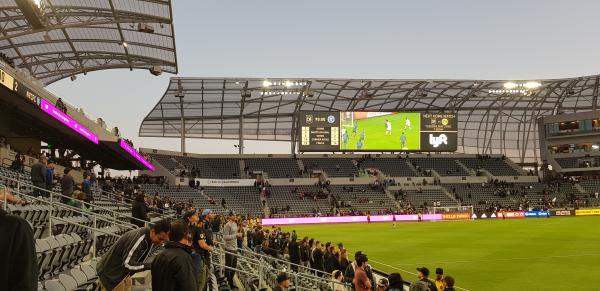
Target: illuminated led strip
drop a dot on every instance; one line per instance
(347, 219)
(136, 155)
(68, 121)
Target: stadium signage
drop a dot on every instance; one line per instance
(436, 141)
(7, 80)
(562, 213)
(511, 214)
(456, 216)
(346, 219)
(135, 155)
(68, 121)
(225, 182)
(537, 214)
(594, 211)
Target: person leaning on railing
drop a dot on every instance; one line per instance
(6, 195)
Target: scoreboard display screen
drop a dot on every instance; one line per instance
(377, 131)
(319, 131)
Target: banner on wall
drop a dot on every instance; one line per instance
(511, 214)
(593, 211)
(537, 214)
(225, 182)
(562, 213)
(456, 216)
(347, 219)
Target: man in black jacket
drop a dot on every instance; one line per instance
(294, 252)
(173, 268)
(317, 256)
(139, 210)
(18, 267)
(38, 177)
(130, 253)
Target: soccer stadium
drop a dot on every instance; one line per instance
(194, 178)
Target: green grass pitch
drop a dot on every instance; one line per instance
(375, 133)
(520, 254)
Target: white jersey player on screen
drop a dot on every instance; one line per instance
(388, 127)
(407, 124)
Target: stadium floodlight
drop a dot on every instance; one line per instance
(267, 83)
(510, 85)
(34, 12)
(124, 44)
(532, 85)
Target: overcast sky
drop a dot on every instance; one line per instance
(449, 39)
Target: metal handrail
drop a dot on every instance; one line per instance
(89, 205)
(326, 276)
(109, 195)
(325, 281)
(76, 210)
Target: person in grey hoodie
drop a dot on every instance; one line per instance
(230, 236)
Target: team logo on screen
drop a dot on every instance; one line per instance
(436, 141)
(331, 119)
(309, 119)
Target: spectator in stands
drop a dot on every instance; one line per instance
(343, 259)
(18, 267)
(205, 241)
(61, 105)
(86, 187)
(230, 236)
(130, 254)
(418, 286)
(18, 164)
(317, 257)
(383, 284)
(423, 276)
(258, 239)
(5, 194)
(50, 176)
(439, 278)
(77, 200)
(338, 281)
(395, 282)
(294, 252)
(200, 245)
(333, 260)
(38, 177)
(448, 283)
(361, 281)
(66, 185)
(304, 252)
(173, 268)
(139, 210)
(283, 282)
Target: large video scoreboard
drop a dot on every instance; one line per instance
(377, 131)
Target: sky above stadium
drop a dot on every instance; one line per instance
(459, 39)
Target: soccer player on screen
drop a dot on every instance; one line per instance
(407, 124)
(388, 127)
(354, 127)
(359, 145)
(403, 141)
(362, 135)
(345, 138)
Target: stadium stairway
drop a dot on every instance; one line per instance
(470, 171)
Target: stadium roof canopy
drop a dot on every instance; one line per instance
(495, 117)
(54, 39)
